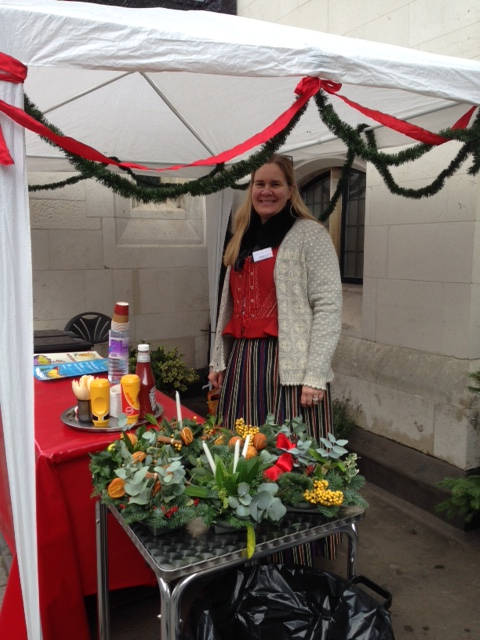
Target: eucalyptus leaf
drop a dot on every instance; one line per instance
(269, 487)
(266, 457)
(140, 499)
(263, 500)
(139, 475)
(149, 436)
(233, 502)
(253, 511)
(339, 450)
(276, 510)
(242, 511)
(243, 488)
(246, 499)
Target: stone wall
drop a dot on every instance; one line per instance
(91, 247)
(411, 333)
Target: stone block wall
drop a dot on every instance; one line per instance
(411, 333)
(91, 248)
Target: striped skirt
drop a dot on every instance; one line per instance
(251, 390)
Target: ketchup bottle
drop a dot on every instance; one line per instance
(147, 399)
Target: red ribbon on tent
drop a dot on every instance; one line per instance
(11, 70)
(284, 462)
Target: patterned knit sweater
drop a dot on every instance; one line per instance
(309, 298)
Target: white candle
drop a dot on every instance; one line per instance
(209, 457)
(179, 410)
(245, 446)
(236, 455)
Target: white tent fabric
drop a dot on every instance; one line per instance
(219, 206)
(163, 87)
(16, 345)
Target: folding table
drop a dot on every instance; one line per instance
(178, 559)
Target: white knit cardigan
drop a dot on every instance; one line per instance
(309, 300)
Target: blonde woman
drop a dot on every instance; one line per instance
(280, 313)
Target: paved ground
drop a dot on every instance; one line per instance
(431, 568)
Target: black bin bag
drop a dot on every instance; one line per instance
(275, 602)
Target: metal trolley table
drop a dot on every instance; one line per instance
(177, 559)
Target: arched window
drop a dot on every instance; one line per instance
(346, 224)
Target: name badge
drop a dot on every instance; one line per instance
(262, 254)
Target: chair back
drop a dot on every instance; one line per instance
(90, 326)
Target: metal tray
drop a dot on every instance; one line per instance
(69, 418)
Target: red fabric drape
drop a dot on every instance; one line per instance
(66, 524)
(12, 70)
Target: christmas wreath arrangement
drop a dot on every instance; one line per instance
(169, 474)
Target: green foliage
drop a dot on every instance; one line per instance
(343, 421)
(162, 476)
(169, 370)
(476, 378)
(360, 142)
(464, 497)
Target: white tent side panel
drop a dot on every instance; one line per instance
(16, 347)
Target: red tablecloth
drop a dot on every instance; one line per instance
(66, 524)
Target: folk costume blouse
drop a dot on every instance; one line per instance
(309, 304)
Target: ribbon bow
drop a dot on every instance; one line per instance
(284, 462)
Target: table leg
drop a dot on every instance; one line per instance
(351, 531)
(103, 608)
(167, 630)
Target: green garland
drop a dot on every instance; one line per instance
(219, 178)
(368, 151)
(360, 142)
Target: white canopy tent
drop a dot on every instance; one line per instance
(162, 87)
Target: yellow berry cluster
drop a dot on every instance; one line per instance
(321, 495)
(245, 430)
(176, 445)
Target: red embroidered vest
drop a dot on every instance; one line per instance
(254, 300)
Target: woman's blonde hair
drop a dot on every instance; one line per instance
(241, 219)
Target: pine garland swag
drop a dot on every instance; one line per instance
(222, 177)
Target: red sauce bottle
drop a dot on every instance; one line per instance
(147, 398)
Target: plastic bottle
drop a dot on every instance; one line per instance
(148, 401)
(118, 343)
(130, 385)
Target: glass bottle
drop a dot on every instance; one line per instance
(147, 395)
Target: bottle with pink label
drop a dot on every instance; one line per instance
(118, 344)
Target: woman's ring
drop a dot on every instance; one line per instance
(315, 398)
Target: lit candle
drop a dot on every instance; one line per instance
(209, 457)
(236, 455)
(245, 446)
(179, 410)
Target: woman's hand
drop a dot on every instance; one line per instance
(311, 396)
(216, 378)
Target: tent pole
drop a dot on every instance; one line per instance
(85, 93)
(177, 113)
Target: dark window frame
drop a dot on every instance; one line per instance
(344, 216)
(346, 201)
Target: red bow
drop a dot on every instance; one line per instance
(284, 462)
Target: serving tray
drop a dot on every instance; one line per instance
(70, 418)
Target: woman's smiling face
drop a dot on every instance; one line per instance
(270, 191)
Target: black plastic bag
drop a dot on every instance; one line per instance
(275, 602)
